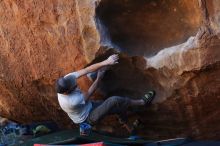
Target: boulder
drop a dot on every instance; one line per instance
(171, 47)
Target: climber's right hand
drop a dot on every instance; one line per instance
(113, 59)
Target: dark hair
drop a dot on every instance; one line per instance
(66, 84)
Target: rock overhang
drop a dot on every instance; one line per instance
(145, 27)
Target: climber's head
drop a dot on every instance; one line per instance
(65, 85)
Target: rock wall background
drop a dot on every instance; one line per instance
(42, 40)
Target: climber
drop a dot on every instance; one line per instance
(80, 108)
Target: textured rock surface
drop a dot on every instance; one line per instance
(185, 77)
(39, 41)
(42, 40)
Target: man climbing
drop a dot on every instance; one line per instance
(78, 105)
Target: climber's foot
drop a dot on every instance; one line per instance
(148, 98)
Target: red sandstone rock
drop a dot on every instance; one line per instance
(42, 40)
(39, 42)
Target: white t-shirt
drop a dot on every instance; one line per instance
(74, 104)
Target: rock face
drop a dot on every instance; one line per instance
(39, 41)
(177, 42)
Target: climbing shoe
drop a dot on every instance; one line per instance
(148, 98)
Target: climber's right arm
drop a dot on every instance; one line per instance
(113, 59)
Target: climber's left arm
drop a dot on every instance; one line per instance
(95, 84)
